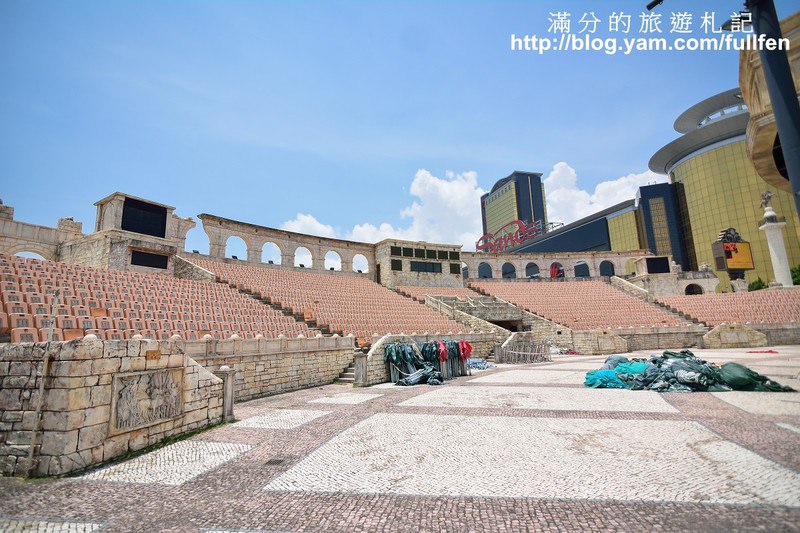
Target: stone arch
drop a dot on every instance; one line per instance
(509, 271)
(557, 270)
(236, 246)
(531, 270)
(693, 288)
(606, 268)
(333, 261)
(270, 251)
(31, 255)
(303, 256)
(485, 271)
(361, 263)
(582, 270)
(42, 251)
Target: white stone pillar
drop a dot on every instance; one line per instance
(777, 248)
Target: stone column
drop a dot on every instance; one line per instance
(253, 254)
(227, 375)
(777, 248)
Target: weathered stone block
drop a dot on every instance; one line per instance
(107, 365)
(62, 421)
(92, 436)
(59, 442)
(97, 415)
(101, 395)
(115, 446)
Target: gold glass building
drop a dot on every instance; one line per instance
(719, 186)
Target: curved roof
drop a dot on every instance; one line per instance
(697, 139)
(690, 119)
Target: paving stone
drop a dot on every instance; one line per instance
(11, 525)
(791, 427)
(281, 419)
(533, 376)
(763, 403)
(459, 456)
(555, 398)
(172, 465)
(350, 398)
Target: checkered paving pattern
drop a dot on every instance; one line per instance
(791, 427)
(516, 448)
(564, 377)
(352, 398)
(763, 403)
(557, 399)
(45, 526)
(281, 419)
(540, 458)
(172, 465)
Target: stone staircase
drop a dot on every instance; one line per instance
(348, 375)
(637, 292)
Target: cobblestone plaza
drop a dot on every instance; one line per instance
(517, 448)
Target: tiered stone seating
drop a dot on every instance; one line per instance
(345, 304)
(419, 293)
(117, 305)
(580, 304)
(757, 307)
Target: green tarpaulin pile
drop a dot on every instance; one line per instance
(678, 372)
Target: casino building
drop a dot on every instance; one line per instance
(716, 186)
(519, 196)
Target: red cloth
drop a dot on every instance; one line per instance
(465, 349)
(442, 351)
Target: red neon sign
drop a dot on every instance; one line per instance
(509, 236)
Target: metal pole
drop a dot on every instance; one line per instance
(782, 93)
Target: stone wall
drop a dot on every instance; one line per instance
(734, 336)
(101, 400)
(472, 322)
(598, 342)
(185, 270)
(666, 338)
(393, 278)
(271, 366)
(779, 334)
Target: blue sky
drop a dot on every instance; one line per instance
(355, 119)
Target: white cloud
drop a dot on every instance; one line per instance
(566, 202)
(309, 225)
(445, 211)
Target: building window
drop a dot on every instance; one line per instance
(419, 266)
(149, 260)
(419, 252)
(455, 256)
(455, 268)
(658, 219)
(395, 250)
(397, 264)
(443, 254)
(408, 252)
(430, 254)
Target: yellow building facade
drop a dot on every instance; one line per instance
(722, 190)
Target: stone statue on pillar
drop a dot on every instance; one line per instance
(772, 226)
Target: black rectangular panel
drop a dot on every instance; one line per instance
(657, 265)
(148, 260)
(141, 217)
